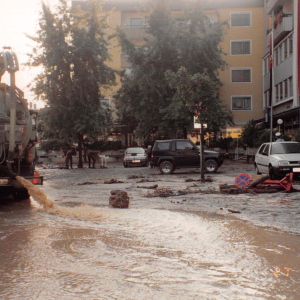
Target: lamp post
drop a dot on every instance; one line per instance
(279, 122)
(237, 145)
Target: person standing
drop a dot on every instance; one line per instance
(69, 156)
(65, 152)
(278, 137)
(92, 156)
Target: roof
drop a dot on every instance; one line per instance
(142, 5)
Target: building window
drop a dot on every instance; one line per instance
(291, 87)
(291, 45)
(276, 57)
(285, 49)
(241, 102)
(285, 89)
(280, 91)
(136, 22)
(240, 19)
(105, 103)
(240, 47)
(240, 75)
(267, 98)
(277, 93)
(266, 65)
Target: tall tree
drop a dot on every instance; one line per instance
(144, 91)
(197, 95)
(170, 43)
(73, 52)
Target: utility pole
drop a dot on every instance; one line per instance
(271, 48)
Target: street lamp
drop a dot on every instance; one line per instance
(237, 145)
(279, 122)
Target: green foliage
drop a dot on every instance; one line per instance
(224, 143)
(146, 96)
(192, 90)
(73, 58)
(98, 145)
(254, 135)
(105, 146)
(54, 145)
(297, 135)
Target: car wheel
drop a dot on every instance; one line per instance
(166, 168)
(271, 173)
(256, 170)
(125, 166)
(211, 166)
(20, 194)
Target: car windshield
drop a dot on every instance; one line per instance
(284, 148)
(135, 150)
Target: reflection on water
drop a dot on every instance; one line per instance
(142, 254)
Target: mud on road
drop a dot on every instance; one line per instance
(179, 239)
(182, 190)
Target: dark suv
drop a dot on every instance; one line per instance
(169, 155)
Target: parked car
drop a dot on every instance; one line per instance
(277, 159)
(135, 156)
(169, 155)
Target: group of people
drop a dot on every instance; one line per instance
(68, 154)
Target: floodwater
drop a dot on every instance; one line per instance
(80, 248)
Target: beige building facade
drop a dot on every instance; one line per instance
(243, 46)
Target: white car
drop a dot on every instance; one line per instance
(278, 159)
(135, 156)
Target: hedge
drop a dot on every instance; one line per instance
(99, 145)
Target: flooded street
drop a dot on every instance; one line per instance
(159, 248)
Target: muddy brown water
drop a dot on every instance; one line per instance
(51, 251)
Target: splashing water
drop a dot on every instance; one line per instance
(36, 193)
(84, 212)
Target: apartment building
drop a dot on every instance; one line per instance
(281, 84)
(243, 44)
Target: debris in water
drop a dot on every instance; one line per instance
(135, 176)
(207, 179)
(148, 187)
(87, 183)
(148, 180)
(232, 189)
(119, 199)
(111, 181)
(282, 201)
(163, 192)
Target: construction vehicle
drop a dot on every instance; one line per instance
(18, 133)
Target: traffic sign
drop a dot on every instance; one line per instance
(242, 180)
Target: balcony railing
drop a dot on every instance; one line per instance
(283, 28)
(275, 5)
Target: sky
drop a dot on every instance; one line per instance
(17, 18)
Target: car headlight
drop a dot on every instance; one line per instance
(283, 163)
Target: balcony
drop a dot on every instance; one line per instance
(275, 5)
(283, 28)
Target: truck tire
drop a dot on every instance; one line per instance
(166, 168)
(211, 166)
(20, 194)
